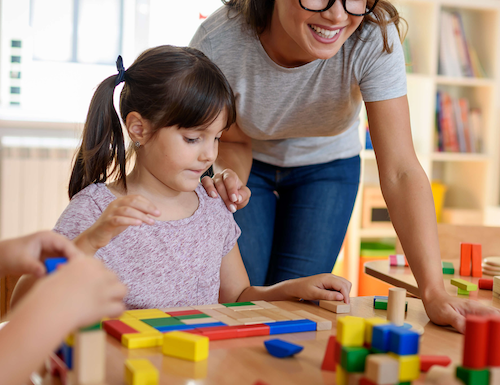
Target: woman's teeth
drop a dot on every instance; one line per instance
(325, 33)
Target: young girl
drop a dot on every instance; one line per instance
(156, 227)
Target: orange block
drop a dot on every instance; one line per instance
(465, 259)
(477, 260)
(329, 360)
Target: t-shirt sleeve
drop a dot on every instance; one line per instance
(201, 41)
(381, 75)
(81, 213)
(233, 233)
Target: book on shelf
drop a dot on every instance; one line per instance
(457, 57)
(458, 127)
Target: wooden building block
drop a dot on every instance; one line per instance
(441, 374)
(473, 376)
(494, 376)
(464, 285)
(248, 307)
(142, 340)
(186, 346)
(147, 313)
(329, 361)
(143, 327)
(264, 304)
(141, 371)
(204, 307)
(462, 292)
(271, 313)
(403, 342)
(167, 309)
(256, 320)
(52, 263)
(229, 321)
(117, 328)
(382, 369)
(396, 306)
(494, 341)
(351, 331)
(448, 268)
(339, 307)
(398, 260)
(409, 367)
(465, 259)
(475, 342)
(485, 284)
(427, 362)
(321, 323)
(477, 260)
(89, 359)
(197, 321)
(369, 324)
(285, 313)
(353, 358)
(173, 313)
(281, 349)
(341, 375)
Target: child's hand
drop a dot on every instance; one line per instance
(25, 255)
(83, 291)
(322, 286)
(130, 210)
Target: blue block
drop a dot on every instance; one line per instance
(208, 325)
(403, 342)
(279, 348)
(281, 327)
(67, 353)
(380, 337)
(52, 263)
(171, 328)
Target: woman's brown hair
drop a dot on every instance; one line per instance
(258, 13)
(169, 86)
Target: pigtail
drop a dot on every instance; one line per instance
(102, 151)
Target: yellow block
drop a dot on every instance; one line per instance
(409, 367)
(369, 324)
(341, 375)
(185, 345)
(351, 331)
(142, 340)
(147, 313)
(140, 326)
(70, 340)
(140, 371)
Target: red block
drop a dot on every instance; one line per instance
(427, 361)
(465, 259)
(117, 328)
(366, 381)
(494, 341)
(329, 359)
(485, 284)
(476, 342)
(252, 330)
(219, 332)
(183, 312)
(338, 352)
(477, 260)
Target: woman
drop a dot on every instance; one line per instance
(300, 70)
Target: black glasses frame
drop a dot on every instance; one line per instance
(330, 4)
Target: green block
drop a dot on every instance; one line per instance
(463, 292)
(239, 304)
(95, 326)
(448, 268)
(405, 383)
(167, 321)
(381, 305)
(189, 316)
(473, 376)
(353, 359)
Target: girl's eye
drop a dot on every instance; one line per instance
(218, 139)
(190, 140)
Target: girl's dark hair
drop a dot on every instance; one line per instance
(258, 13)
(168, 86)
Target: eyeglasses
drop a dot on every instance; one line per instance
(352, 7)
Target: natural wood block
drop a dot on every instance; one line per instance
(338, 307)
(264, 304)
(89, 357)
(256, 320)
(321, 323)
(273, 315)
(290, 315)
(229, 321)
(382, 369)
(396, 306)
(242, 308)
(214, 306)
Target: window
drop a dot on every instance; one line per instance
(83, 31)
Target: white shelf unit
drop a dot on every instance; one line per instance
(472, 179)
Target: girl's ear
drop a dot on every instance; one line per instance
(138, 128)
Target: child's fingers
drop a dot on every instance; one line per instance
(56, 245)
(139, 203)
(126, 220)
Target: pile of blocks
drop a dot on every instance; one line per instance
(372, 351)
(471, 260)
(463, 287)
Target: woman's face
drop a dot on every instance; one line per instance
(308, 36)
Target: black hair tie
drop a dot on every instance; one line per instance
(121, 71)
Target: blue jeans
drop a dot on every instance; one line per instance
(296, 220)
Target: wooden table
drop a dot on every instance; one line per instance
(244, 361)
(403, 277)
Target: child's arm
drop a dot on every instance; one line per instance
(130, 210)
(80, 293)
(235, 286)
(24, 255)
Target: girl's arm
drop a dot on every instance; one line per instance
(407, 191)
(235, 286)
(231, 169)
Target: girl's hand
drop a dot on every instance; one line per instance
(443, 309)
(231, 189)
(82, 291)
(130, 210)
(321, 287)
(25, 255)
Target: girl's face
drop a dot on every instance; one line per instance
(308, 36)
(178, 157)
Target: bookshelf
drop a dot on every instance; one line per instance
(471, 178)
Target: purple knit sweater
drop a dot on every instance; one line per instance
(171, 263)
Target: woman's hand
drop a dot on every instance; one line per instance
(231, 189)
(130, 210)
(321, 287)
(444, 309)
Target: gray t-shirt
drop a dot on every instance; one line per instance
(308, 114)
